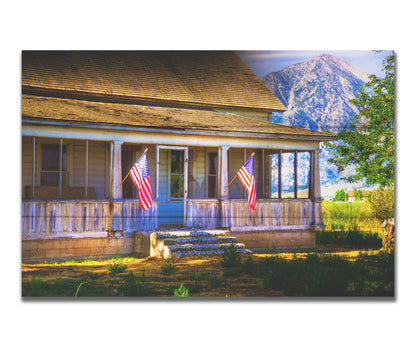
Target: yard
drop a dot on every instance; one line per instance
(346, 262)
(335, 273)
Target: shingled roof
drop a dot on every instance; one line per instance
(196, 79)
(72, 111)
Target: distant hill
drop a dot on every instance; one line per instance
(316, 94)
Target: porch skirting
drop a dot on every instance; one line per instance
(80, 229)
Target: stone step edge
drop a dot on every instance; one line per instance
(199, 233)
(191, 253)
(219, 246)
(201, 240)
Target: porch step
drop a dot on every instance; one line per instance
(183, 243)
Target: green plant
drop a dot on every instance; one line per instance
(115, 266)
(168, 268)
(79, 287)
(214, 280)
(340, 195)
(137, 288)
(231, 257)
(181, 291)
(382, 203)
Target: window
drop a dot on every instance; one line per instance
(176, 174)
(303, 174)
(50, 168)
(290, 175)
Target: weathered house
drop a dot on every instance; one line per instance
(88, 116)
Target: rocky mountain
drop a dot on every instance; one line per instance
(316, 94)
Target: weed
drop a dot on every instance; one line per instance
(115, 266)
(214, 281)
(137, 288)
(168, 268)
(80, 285)
(181, 291)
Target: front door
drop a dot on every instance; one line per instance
(172, 187)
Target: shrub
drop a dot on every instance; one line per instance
(115, 266)
(349, 238)
(382, 203)
(168, 268)
(231, 257)
(135, 288)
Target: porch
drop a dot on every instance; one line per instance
(71, 185)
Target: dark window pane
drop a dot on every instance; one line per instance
(176, 186)
(176, 162)
(212, 163)
(212, 186)
(50, 157)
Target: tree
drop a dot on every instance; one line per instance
(369, 141)
(358, 194)
(340, 195)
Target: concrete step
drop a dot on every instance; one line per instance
(180, 243)
(194, 253)
(200, 240)
(205, 246)
(191, 233)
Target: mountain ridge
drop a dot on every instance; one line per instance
(316, 94)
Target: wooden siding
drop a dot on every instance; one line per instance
(40, 217)
(27, 163)
(197, 183)
(202, 214)
(269, 215)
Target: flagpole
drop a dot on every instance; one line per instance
(252, 155)
(129, 171)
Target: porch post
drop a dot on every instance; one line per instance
(86, 170)
(117, 191)
(224, 172)
(33, 167)
(224, 204)
(115, 223)
(316, 193)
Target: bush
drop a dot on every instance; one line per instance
(115, 266)
(349, 238)
(382, 203)
(231, 257)
(135, 288)
(168, 268)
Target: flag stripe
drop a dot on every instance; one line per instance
(139, 174)
(247, 179)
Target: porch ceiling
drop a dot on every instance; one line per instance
(138, 116)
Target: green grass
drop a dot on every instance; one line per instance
(352, 238)
(357, 216)
(327, 276)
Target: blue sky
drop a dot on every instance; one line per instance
(263, 62)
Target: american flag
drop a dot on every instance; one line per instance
(246, 176)
(139, 173)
